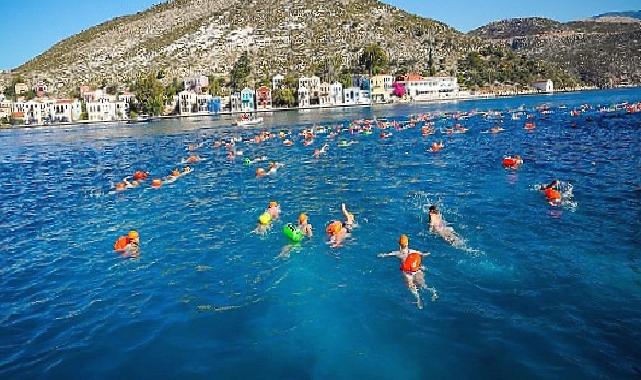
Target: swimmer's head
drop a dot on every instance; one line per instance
(175, 173)
(273, 204)
(404, 241)
(260, 172)
(134, 236)
(302, 218)
(433, 209)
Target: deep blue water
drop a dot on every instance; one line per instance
(543, 292)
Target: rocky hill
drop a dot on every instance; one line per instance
(629, 16)
(599, 52)
(183, 37)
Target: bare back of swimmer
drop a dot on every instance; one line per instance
(438, 226)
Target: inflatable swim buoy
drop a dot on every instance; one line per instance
(264, 218)
(552, 195)
(293, 233)
(121, 243)
(412, 263)
(510, 162)
(247, 161)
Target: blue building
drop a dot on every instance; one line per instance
(215, 104)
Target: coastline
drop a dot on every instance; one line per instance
(310, 108)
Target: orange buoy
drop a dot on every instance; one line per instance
(552, 195)
(529, 126)
(121, 243)
(412, 263)
(510, 162)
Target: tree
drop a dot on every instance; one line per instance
(345, 79)
(373, 59)
(84, 115)
(30, 94)
(240, 72)
(430, 64)
(111, 89)
(216, 86)
(150, 93)
(288, 97)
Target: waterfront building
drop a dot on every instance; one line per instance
(5, 108)
(65, 110)
(336, 93)
(351, 95)
(278, 82)
(215, 104)
(106, 108)
(544, 85)
(187, 103)
(303, 97)
(235, 105)
(382, 88)
(324, 98)
(247, 100)
(312, 84)
(430, 88)
(263, 98)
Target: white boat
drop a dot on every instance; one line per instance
(247, 122)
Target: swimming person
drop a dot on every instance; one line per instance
(304, 225)
(349, 218)
(552, 192)
(337, 233)
(128, 245)
(411, 268)
(273, 210)
(321, 151)
(436, 147)
(438, 226)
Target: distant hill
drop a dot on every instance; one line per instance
(631, 15)
(600, 52)
(183, 37)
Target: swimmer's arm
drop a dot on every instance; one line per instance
(393, 253)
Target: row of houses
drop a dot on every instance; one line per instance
(99, 106)
(312, 92)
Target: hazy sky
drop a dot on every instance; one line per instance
(35, 25)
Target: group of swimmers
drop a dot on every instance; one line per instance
(337, 231)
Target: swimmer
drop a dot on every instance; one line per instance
(193, 159)
(175, 173)
(436, 147)
(273, 168)
(411, 268)
(337, 233)
(260, 172)
(321, 151)
(128, 245)
(273, 210)
(438, 226)
(304, 225)
(512, 162)
(349, 218)
(156, 183)
(496, 129)
(140, 175)
(552, 192)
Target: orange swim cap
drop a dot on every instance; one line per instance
(175, 173)
(133, 234)
(120, 186)
(302, 218)
(404, 240)
(156, 182)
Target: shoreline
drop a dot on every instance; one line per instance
(309, 108)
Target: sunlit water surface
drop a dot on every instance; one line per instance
(541, 292)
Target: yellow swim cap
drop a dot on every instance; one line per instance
(302, 218)
(273, 204)
(404, 240)
(133, 234)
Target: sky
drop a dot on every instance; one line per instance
(29, 27)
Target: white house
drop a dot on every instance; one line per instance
(312, 85)
(187, 103)
(277, 82)
(235, 105)
(303, 97)
(324, 98)
(431, 88)
(364, 97)
(351, 95)
(336, 93)
(65, 110)
(106, 108)
(544, 85)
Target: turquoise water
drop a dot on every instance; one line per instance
(541, 292)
